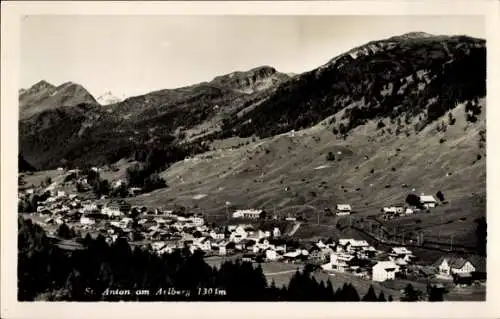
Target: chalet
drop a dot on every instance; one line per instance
(384, 270)
(249, 257)
(343, 209)
(292, 256)
(217, 234)
(222, 250)
(428, 201)
(401, 253)
(87, 221)
(315, 253)
(340, 261)
(321, 244)
(351, 245)
(409, 211)
(238, 234)
(393, 210)
(117, 184)
(156, 246)
(280, 248)
(263, 244)
(204, 244)
(198, 220)
(271, 255)
(248, 213)
(115, 224)
(448, 266)
(324, 254)
(111, 210)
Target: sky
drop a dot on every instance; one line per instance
(132, 55)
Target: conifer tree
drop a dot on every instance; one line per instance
(381, 296)
(370, 295)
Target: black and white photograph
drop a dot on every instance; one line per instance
(277, 158)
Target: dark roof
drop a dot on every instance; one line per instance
(478, 262)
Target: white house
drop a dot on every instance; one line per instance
(216, 235)
(321, 244)
(428, 201)
(393, 210)
(198, 220)
(247, 213)
(89, 208)
(343, 209)
(351, 245)
(204, 244)
(280, 248)
(409, 211)
(87, 221)
(117, 184)
(125, 221)
(449, 266)
(158, 245)
(340, 261)
(384, 270)
(271, 255)
(401, 252)
(222, 250)
(238, 234)
(111, 211)
(115, 224)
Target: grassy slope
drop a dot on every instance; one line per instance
(256, 175)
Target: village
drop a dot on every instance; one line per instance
(245, 237)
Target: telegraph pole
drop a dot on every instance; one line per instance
(451, 243)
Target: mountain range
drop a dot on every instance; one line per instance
(408, 76)
(402, 112)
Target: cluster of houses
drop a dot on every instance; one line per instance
(165, 231)
(361, 259)
(390, 212)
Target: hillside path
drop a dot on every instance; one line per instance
(294, 229)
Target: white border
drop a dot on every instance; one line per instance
(10, 308)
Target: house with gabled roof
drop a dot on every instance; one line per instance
(449, 266)
(343, 209)
(384, 270)
(428, 201)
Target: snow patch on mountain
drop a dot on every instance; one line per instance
(109, 98)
